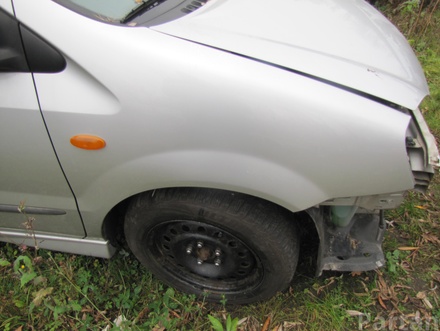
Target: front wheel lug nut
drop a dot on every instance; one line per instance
(218, 252)
(199, 261)
(189, 249)
(200, 244)
(217, 262)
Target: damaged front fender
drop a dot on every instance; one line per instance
(357, 246)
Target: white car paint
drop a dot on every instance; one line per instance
(162, 104)
(29, 171)
(345, 42)
(177, 113)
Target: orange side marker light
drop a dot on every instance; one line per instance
(87, 141)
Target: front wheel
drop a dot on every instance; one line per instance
(218, 244)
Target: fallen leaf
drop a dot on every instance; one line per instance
(330, 281)
(240, 322)
(290, 325)
(266, 324)
(431, 238)
(408, 248)
(382, 303)
(158, 327)
(427, 303)
(422, 296)
(354, 313)
(40, 295)
(172, 312)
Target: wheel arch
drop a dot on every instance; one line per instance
(181, 224)
(113, 224)
(252, 175)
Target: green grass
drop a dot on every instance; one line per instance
(429, 56)
(51, 291)
(83, 293)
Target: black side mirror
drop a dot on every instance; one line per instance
(21, 50)
(12, 58)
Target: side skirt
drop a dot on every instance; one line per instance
(81, 246)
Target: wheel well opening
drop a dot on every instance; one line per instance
(113, 225)
(113, 229)
(309, 246)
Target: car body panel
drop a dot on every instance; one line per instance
(29, 171)
(60, 242)
(257, 115)
(173, 127)
(7, 6)
(347, 43)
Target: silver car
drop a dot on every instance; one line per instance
(205, 134)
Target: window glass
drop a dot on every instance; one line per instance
(113, 9)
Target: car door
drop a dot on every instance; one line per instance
(30, 173)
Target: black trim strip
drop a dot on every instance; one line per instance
(31, 210)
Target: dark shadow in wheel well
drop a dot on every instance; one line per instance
(113, 230)
(113, 225)
(309, 246)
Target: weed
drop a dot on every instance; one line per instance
(28, 223)
(4, 263)
(23, 266)
(410, 6)
(393, 260)
(231, 324)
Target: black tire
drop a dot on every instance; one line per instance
(212, 243)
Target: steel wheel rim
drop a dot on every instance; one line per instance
(205, 256)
